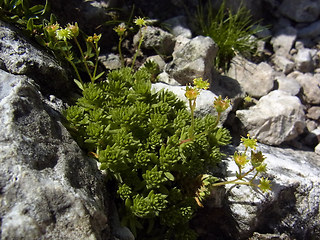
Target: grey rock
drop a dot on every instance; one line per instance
(304, 60)
(310, 85)
(292, 206)
(165, 78)
(312, 138)
(277, 118)
(283, 64)
(314, 113)
(310, 31)
(311, 125)
(317, 149)
(110, 61)
(192, 59)
(288, 85)
(49, 188)
(269, 236)
(300, 10)
(283, 40)
(256, 80)
(178, 26)
(19, 56)
(155, 38)
(204, 102)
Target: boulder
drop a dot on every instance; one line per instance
(300, 10)
(310, 85)
(288, 85)
(19, 56)
(155, 38)
(283, 40)
(49, 188)
(192, 59)
(310, 31)
(256, 80)
(290, 209)
(278, 117)
(304, 60)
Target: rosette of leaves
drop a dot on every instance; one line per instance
(139, 136)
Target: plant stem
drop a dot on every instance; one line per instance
(83, 58)
(139, 46)
(192, 104)
(120, 52)
(72, 63)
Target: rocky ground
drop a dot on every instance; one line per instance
(49, 189)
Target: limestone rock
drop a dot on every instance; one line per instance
(49, 189)
(283, 40)
(277, 117)
(192, 59)
(304, 60)
(283, 64)
(288, 85)
(178, 26)
(311, 87)
(256, 80)
(18, 56)
(314, 113)
(300, 10)
(310, 31)
(156, 38)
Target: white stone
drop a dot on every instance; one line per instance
(277, 117)
(283, 64)
(283, 40)
(310, 84)
(289, 85)
(304, 60)
(256, 80)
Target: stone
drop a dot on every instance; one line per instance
(269, 236)
(204, 102)
(256, 80)
(304, 60)
(165, 78)
(178, 26)
(192, 59)
(110, 61)
(314, 113)
(277, 118)
(311, 87)
(317, 149)
(310, 31)
(155, 38)
(283, 40)
(158, 60)
(19, 56)
(49, 188)
(283, 64)
(288, 85)
(300, 10)
(291, 208)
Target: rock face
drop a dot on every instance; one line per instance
(291, 208)
(18, 56)
(277, 117)
(192, 59)
(49, 189)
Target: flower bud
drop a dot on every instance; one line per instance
(221, 104)
(74, 29)
(191, 93)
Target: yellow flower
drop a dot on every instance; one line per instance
(63, 34)
(95, 38)
(140, 22)
(221, 104)
(120, 29)
(200, 84)
(52, 28)
(240, 159)
(249, 142)
(74, 29)
(191, 93)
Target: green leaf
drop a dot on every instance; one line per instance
(79, 84)
(169, 176)
(30, 25)
(37, 9)
(128, 203)
(98, 76)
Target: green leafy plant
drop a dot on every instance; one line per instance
(232, 32)
(24, 15)
(139, 138)
(59, 39)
